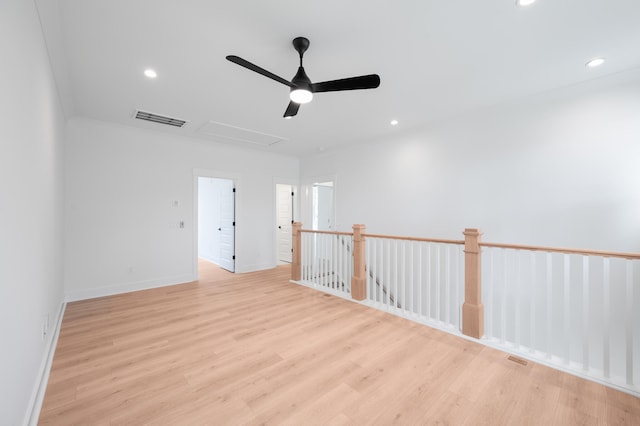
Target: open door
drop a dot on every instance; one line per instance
(227, 228)
(284, 213)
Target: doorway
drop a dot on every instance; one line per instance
(322, 203)
(216, 221)
(284, 218)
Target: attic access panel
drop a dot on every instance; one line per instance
(227, 132)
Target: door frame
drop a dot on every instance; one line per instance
(206, 173)
(295, 184)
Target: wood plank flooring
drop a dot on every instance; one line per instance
(256, 349)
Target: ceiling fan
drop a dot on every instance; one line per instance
(302, 89)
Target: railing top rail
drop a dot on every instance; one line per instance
(425, 240)
(564, 250)
(313, 231)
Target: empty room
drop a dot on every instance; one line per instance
(298, 212)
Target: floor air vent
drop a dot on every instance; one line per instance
(518, 360)
(160, 119)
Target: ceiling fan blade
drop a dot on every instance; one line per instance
(255, 68)
(370, 81)
(292, 109)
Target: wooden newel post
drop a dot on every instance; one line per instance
(296, 241)
(472, 309)
(359, 279)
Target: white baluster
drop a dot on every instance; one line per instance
(549, 339)
(585, 313)
(490, 295)
(389, 281)
(438, 283)
(532, 306)
(412, 309)
(503, 302)
(606, 319)
(517, 301)
(429, 289)
(333, 271)
(567, 308)
(448, 284)
(420, 279)
(368, 266)
(629, 323)
(395, 274)
(304, 255)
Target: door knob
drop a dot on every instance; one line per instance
(279, 227)
(219, 229)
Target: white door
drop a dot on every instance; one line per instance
(226, 228)
(209, 219)
(284, 218)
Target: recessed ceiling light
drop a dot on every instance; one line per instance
(525, 2)
(596, 62)
(150, 73)
(394, 122)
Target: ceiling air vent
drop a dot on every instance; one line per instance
(160, 119)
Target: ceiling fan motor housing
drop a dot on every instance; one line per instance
(301, 80)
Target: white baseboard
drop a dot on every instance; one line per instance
(208, 258)
(92, 293)
(241, 269)
(37, 396)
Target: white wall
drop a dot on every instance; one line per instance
(31, 137)
(122, 230)
(559, 169)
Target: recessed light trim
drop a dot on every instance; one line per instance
(150, 73)
(394, 122)
(595, 62)
(525, 2)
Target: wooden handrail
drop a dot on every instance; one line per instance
(425, 240)
(584, 252)
(313, 231)
(564, 250)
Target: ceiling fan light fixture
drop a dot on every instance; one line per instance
(301, 96)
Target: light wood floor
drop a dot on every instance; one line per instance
(256, 349)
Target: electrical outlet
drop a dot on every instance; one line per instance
(45, 326)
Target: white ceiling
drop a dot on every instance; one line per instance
(435, 58)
